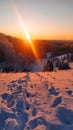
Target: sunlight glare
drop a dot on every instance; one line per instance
(27, 35)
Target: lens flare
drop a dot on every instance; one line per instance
(27, 36)
(26, 33)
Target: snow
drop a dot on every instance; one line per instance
(39, 101)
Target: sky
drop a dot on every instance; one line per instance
(43, 19)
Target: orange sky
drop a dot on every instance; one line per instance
(46, 19)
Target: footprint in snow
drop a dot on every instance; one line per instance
(27, 78)
(69, 92)
(56, 102)
(53, 91)
(65, 115)
(21, 81)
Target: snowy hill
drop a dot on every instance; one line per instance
(39, 101)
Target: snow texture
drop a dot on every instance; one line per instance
(36, 101)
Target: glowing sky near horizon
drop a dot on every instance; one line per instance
(44, 19)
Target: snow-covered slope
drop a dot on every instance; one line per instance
(39, 101)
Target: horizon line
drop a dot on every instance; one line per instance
(44, 39)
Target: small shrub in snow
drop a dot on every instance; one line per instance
(63, 65)
(49, 66)
(8, 68)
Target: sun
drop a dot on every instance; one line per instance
(26, 33)
(28, 36)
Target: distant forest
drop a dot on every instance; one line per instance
(17, 51)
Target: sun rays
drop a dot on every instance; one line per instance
(26, 33)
